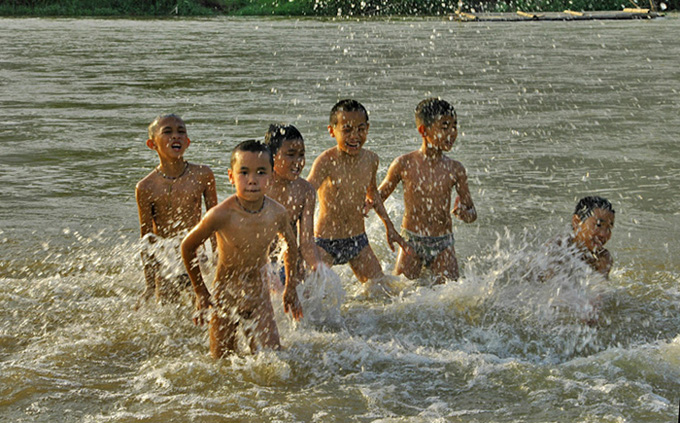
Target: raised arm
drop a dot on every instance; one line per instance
(307, 245)
(201, 232)
(144, 207)
(290, 259)
(463, 207)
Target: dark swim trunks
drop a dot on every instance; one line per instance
(344, 249)
(427, 247)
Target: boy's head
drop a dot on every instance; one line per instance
(168, 136)
(250, 169)
(349, 125)
(593, 221)
(437, 123)
(288, 149)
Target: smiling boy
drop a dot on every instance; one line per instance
(345, 176)
(169, 202)
(429, 177)
(293, 192)
(246, 223)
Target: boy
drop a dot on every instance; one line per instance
(344, 177)
(294, 193)
(429, 178)
(246, 223)
(592, 222)
(169, 204)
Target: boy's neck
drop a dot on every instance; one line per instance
(430, 152)
(173, 168)
(278, 181)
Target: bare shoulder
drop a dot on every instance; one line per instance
(327, 155)
(455, 166)
(201, 172)
(304, 187)
(147, 184)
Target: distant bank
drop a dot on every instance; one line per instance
(346, 8)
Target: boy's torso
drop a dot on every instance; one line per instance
(176, 204)
(342, 194)
(428, 184)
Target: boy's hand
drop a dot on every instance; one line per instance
(203, 304)
(393, 236)
(292, 303)
(368, 205)
(456, 207)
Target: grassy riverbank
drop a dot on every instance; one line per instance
(303, 7)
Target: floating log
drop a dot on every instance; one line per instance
(567, 15)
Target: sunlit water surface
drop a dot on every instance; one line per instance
(548, 112)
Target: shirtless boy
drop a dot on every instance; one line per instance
(246, 223)
(345, 176)
(593, 221)
(169, 204)
(288, 188)
(429, 177)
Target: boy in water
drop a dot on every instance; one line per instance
(294, 193)
(593, 221)
(246, 223)
(345, 176)
(429, 177)
(169, 204)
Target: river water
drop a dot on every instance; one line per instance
(548, 112)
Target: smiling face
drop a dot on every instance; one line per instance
(442, 133)
(290, 159)
(595, 231)
(169, 138)
(350, 131)
(251, 174)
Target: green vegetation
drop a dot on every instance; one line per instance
(305, 7)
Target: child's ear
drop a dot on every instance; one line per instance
(231, 176)
(188, 142)
(422, 130)
(330, 131)
(150, 144)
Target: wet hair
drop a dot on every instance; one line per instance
(586, 205)
(153, 126)
(430, 109)
(347, 105)
(278, 133)
(251, 146)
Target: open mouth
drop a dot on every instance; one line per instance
(176, 146)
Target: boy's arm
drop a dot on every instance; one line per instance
(290, 259)
(392, 179)
(375, 198)
(463, 207)
(210, 198)
(143, 198)
(604, 262)
(307, 245)
(317, 174)
(190, 244)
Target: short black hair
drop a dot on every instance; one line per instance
(346, 105)
(252, 146)
(278, 133)
(430, 109)
(586, 205)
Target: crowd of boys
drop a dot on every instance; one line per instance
(273, 202)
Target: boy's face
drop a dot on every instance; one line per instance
(350, 131)
(442, 133)
(250, 174)
(595, 231)
(290, 159)
(170, 138)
